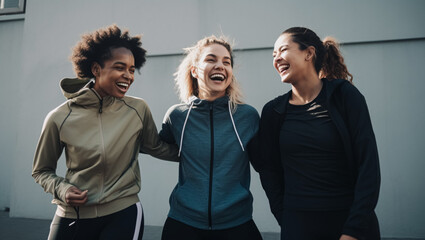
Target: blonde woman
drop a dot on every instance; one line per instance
(212, 130)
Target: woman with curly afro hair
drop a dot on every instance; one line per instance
(102, 132)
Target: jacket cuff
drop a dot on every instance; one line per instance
(61, 194)
(355, 233)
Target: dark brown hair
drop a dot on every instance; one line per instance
(96, 47)
(328, 60)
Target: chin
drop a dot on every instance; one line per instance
(285, 80)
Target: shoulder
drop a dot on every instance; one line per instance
(343, 88)
(60, 111)
(177, 111)
(139, 105)
(247, 109)
(276, 105)
(348, 94)
(134, 102)
(178, 108)
(58, 115)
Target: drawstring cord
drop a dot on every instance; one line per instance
(187, 117)
(77, 210)
(184, 127)
(234, 127)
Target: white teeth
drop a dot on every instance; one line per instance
(283, 67)
(122, 84)
(217, 76)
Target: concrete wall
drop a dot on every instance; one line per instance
(385, 45)
(10, 56)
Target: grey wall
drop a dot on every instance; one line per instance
(385, 45)
(10, 56)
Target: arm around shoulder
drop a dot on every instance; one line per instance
(271, 171)
(151, 143)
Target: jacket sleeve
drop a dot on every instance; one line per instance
(253, 144)
(366, 162)
(48, 151)
(166, 134)
(151, 142)
(270, 168)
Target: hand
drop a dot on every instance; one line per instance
(346, 237)
(75, 197)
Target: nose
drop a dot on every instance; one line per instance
(219, 65)
(128, 75)
(277, 58)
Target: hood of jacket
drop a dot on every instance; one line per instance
(80, 91)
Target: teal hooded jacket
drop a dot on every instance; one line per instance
(214, 172)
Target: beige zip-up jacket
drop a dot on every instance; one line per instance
(102, 139)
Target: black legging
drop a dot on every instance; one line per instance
(124, 224)
(321, 225)
(175, 230)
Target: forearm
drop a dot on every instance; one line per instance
(52, 183)
(272, 183)
(161, 150)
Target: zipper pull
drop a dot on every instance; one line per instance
(101, 106)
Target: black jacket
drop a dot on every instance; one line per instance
(348, 111)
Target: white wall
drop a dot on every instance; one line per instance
(388, 73)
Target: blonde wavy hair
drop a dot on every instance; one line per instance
(187, 85)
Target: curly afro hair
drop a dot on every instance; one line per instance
(97, 46)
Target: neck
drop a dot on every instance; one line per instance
(305, 90)
(210, 96)
(98, 93)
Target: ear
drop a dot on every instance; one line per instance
(95, 69)
(311, 52)
(194, 72)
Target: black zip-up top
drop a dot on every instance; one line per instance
(348, 111)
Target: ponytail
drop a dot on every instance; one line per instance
(333, 63)
(328, 61)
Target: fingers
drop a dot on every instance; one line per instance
(76, 197)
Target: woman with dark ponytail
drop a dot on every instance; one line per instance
(319, 160)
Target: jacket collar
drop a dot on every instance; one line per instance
(219, 102)
(280, 103)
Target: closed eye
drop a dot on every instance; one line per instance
(283, 49)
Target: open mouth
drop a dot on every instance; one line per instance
(217, 77)
(283, 67)
(122, 86)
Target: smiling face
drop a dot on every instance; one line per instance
(116, 75)
(213, 71)
(289, 61)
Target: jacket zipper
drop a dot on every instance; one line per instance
(103, 153)
(101, 105)
(211, 167)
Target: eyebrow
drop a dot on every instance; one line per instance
(122, 63)
(284, 45)
(213, 55)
